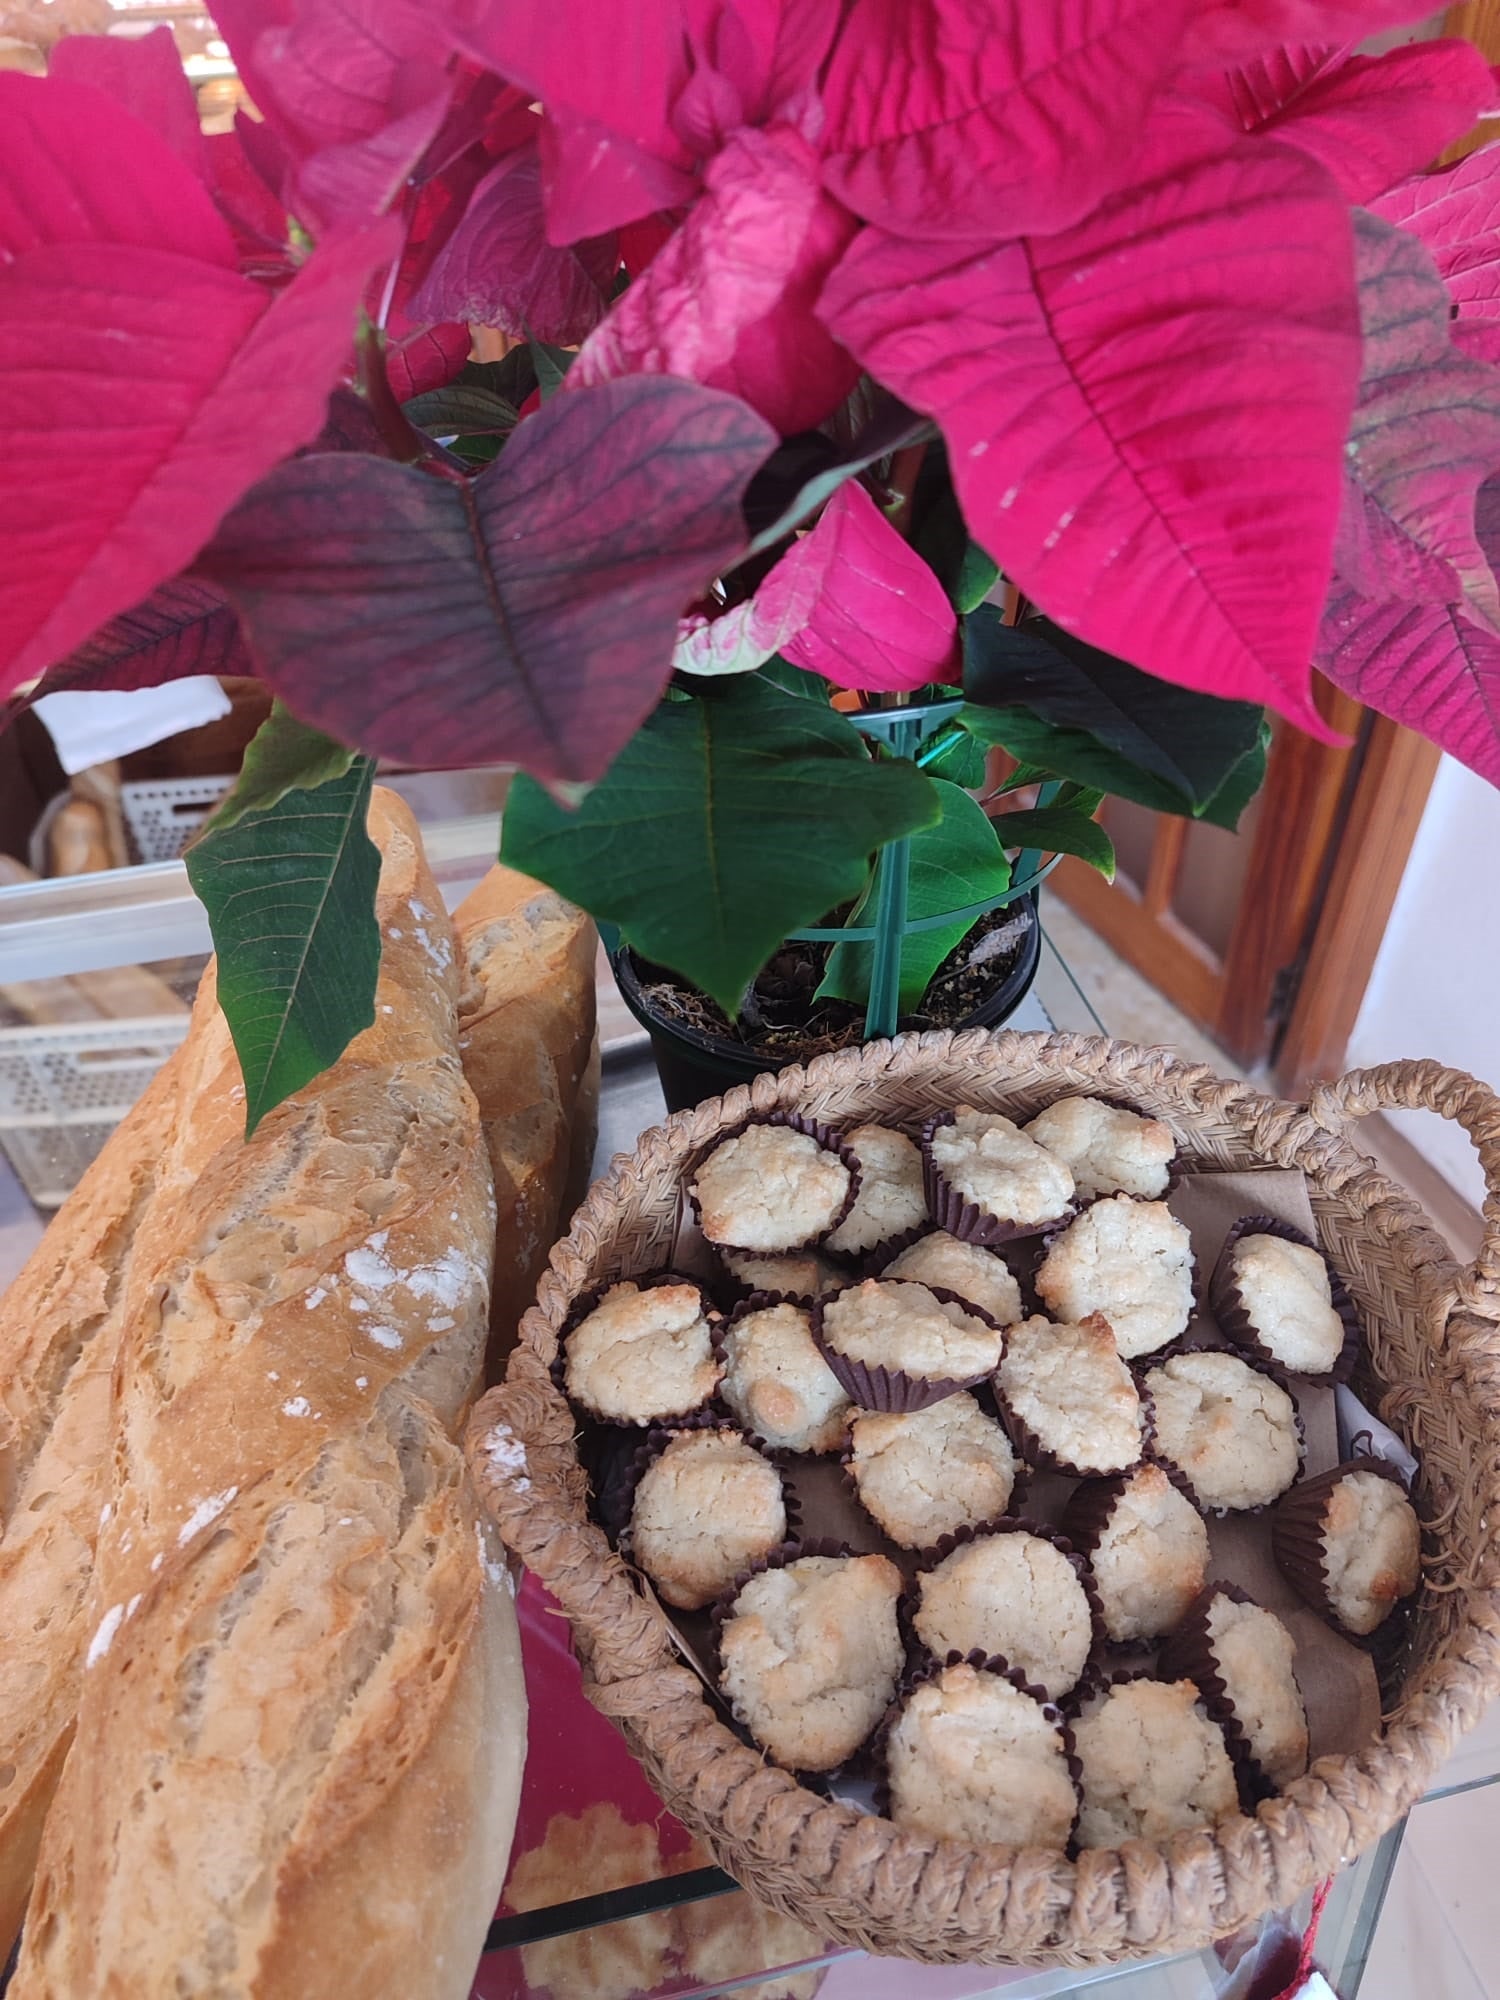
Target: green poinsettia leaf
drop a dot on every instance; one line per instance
(796, 680)
(290, 895)
(551, 364)
(462, 409)
(729, 819)
(1047, 751)
(284, 755)
(940, 535)
(954, 863)
(960, 760)
(1061, 829)
(1189, 741)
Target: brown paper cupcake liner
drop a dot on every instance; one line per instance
(984, 1663)
(1019, 1524)
(720, 1613)
(1227, 1304)
(961, 1217)
(1013, 1505)
(760, 1302)
(646, 1456)
(826, 1137)
(1086, 1516)
(1298, 1547)
(1184, 1477)
(1099, 1682)
(1042, 1458)
(1187, 1655)
(891, 1389)
(581, 1310)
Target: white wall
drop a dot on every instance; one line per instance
(1435, 990)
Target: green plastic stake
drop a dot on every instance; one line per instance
(890, 934)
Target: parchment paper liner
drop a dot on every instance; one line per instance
(722, 1611)
(584, 1306)
(984, 1396)
(764, 1302)
(1086, 1517)
(1007, 1525)
(1187, 1654)
(1042, 1458)
(892, 1389)
(826, 1137)
(1298, 1545)
(1159, 1450)
(985, 1663)
(1228, 1306)
(961, 1217)
(657, 1441)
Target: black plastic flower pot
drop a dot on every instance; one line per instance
(693, 1064)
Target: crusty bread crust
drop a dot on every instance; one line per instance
(530, 1046)
(300, 1726)
(60, 1326)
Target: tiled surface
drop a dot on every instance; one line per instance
(1131, 1009)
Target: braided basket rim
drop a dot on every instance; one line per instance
(861, 1881)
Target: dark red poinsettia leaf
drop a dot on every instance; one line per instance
(1368, 120)
(75, 167)
(1140, 433)
(952, 118)
(730, 299)
(185, 627)
(1425, 434)
(640, 241)
(528, 615)
(1456, 215)
(1427, 665)
(350, 426)
(197, 378)
(142, 73)
(498, 269)
(425, 357)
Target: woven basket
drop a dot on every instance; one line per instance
(1435, 1353)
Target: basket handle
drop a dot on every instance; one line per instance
(1451, 1093)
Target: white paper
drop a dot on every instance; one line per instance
(91, 728)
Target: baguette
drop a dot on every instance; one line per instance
(528, 1035)
(60, 1324)
(299, 1736)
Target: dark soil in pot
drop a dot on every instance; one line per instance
(700, 1052)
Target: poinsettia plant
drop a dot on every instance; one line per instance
(830, 315)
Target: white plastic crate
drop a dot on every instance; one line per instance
(64, 1089)
(163, 814)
